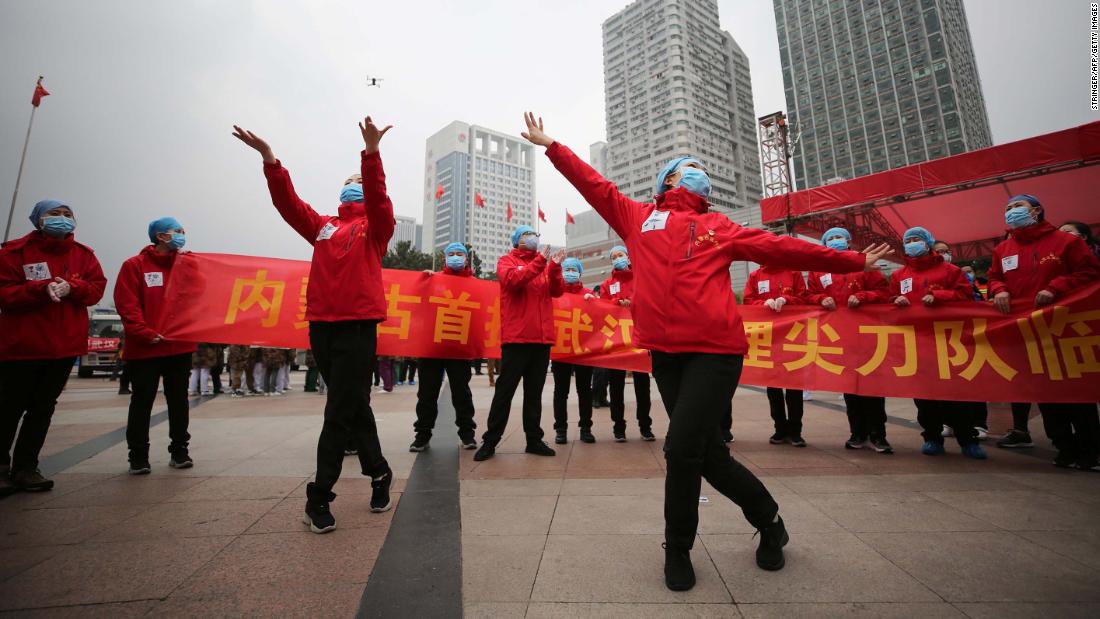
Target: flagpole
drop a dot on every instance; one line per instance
(19, 177)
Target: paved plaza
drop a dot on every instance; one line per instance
(577, 535)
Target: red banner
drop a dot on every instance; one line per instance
(959, 351)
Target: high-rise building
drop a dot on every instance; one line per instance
(873, 85)
(468, 160)
(676, 84)
(406, 229)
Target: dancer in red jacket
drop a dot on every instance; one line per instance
(47, 282)
(619, 288)
(571, 271)
(139, 299)
(686, 315)
(344, 304)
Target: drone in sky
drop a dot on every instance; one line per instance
(374, 81)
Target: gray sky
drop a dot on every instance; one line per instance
(144, 93)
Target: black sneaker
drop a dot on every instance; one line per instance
(796, 440)
(679, 575)
(380, 492)
(6, 487)
(769, 555)
(1016, 440)
(777, 438)
(318, 516)
(880, 444)
(855, 442)
(420, 444)
(467, 443)
(539, 449)
(31, 480)
(560, 438)
(647, 435)
(124, 392)
(1064, 462)
(1091, 467)
(587, 437)
(140, 467)
(485, 452)
(351, 451)
(620, 436)
(181, 460)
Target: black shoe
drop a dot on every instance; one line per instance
(31, 480)
(467, 443)
(351, 451)
(181, 460)
(124, 392)
(586, 436)
(647, 435)
(485, 452)
(1064, 462)
(796, 440)
(879, 444)
(140, 467)
(620, 436)
(777, 438)
(561, 438)
(6, 487)
(855, 442)
(318, 516)
(1016, 440)
(539, 449)
(727, 437)
(420, 444)
(679, 575)
(596, 404)
(380, 492)
(769, 555)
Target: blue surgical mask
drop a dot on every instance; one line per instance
(571, 276)
(57, 226)
(837, 244)
(456, 263)
(620, 263)
(352, 192)
(969, 277)
(695, 180)
(1019, 217)
(916, 249)
(530, 242)
(178, 241)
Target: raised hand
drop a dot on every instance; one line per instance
(372, 135)
(874, 253)
(558, 256)
(254, 142)
(534, 133)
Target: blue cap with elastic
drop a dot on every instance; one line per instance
(164, 224)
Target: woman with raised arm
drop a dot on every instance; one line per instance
(344, 303)
(685, 313)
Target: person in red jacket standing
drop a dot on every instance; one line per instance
(619, 288)
(866, 414)
(686, 315)
(344, 304)
(529, 279)
(775, 288)
(927, 279)
(47, 282)
(571, 271)
(456, 264)
(139, 299)
(1036, 265)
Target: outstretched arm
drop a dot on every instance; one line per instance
(293, 209)
(377, 201)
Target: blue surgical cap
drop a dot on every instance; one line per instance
(920, 233)
(43, 206)
(455, 247)
(572, 263)
(831, 232)
(617, 248)
(1026, 197)
(520, 231)
(669, 168)
(164, 224)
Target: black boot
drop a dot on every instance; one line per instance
(769, 555)
(318, 516)
(679, 575)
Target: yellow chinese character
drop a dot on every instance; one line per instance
(813, 351)
(394, 299)
(950, 351)
(452, 319)
(908, 335)
(301, 322)
(614, 325)
(1048, 341)
(492, 325)
(759, 335)
(570, 325)
(256, 296)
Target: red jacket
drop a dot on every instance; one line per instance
(929, 273)
(625, 288)
(868, 287)
(139, 299)
(577, 288)
(1041, 257)
(31, 325)
(771, 283)
(684, 302)
(345, 276)
(527, 283)
(465, 272)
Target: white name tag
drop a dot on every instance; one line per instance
(827, 280)
(326, 231)
(153, 280)
(764, 286)
(907, 285)
(1009, 263)
(615, 288)
(36, 272)
(656, 221)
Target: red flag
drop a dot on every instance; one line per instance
(569, 218)
(509, 211)
(439, 191)
(39, 92)
(542, 216)
(478, 200)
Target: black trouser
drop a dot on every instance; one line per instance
(29, 391)
(599, 386)
(145, 375)
(695, 388)
(617, 382)
(866, 415)
(788, 422)
(476, 363)
(563, 373)
(981, 415)
(427, 395)
(1021, 413)
(1074, 429)
(527, 362)
(406, 371)
(345, 355)
(216, 376)
(933, 415)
